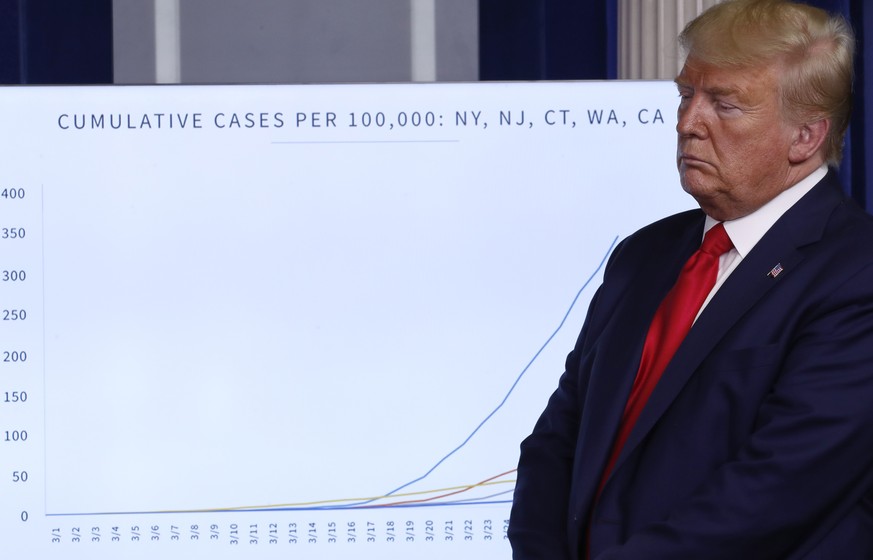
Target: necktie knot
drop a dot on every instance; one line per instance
(716, 241)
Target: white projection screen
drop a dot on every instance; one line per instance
(299, 321)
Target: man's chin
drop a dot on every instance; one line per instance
(693, 184)
(707, 198)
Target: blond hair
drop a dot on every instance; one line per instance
(815, 49)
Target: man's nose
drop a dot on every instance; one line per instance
(691, 121)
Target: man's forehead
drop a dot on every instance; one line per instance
(720, 80)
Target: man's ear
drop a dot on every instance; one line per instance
(808, 140)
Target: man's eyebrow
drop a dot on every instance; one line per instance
(718, 91)
(723, 91)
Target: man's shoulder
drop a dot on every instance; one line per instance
(850, 218)
(667, 233)
(664, 240)
(674, 224)
(826, 219)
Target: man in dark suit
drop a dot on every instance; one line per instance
(751, 436)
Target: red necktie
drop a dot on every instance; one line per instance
(672, 321)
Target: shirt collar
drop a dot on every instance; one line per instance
(745, 232)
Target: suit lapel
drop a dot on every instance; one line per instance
(801, 225)
(620, 351)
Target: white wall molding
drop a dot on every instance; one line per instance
(423, 40)
(168, 52)
(647, 31)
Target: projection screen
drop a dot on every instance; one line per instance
(299, 321)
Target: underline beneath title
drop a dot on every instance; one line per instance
(365, 142)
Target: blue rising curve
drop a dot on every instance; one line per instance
(511, 389)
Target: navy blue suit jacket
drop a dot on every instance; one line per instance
(758, 439)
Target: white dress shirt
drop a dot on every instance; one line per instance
(745, 232)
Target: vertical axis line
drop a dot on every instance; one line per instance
(42, 353)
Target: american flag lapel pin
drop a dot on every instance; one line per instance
(774, 272)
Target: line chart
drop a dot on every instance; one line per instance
(397, 498)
